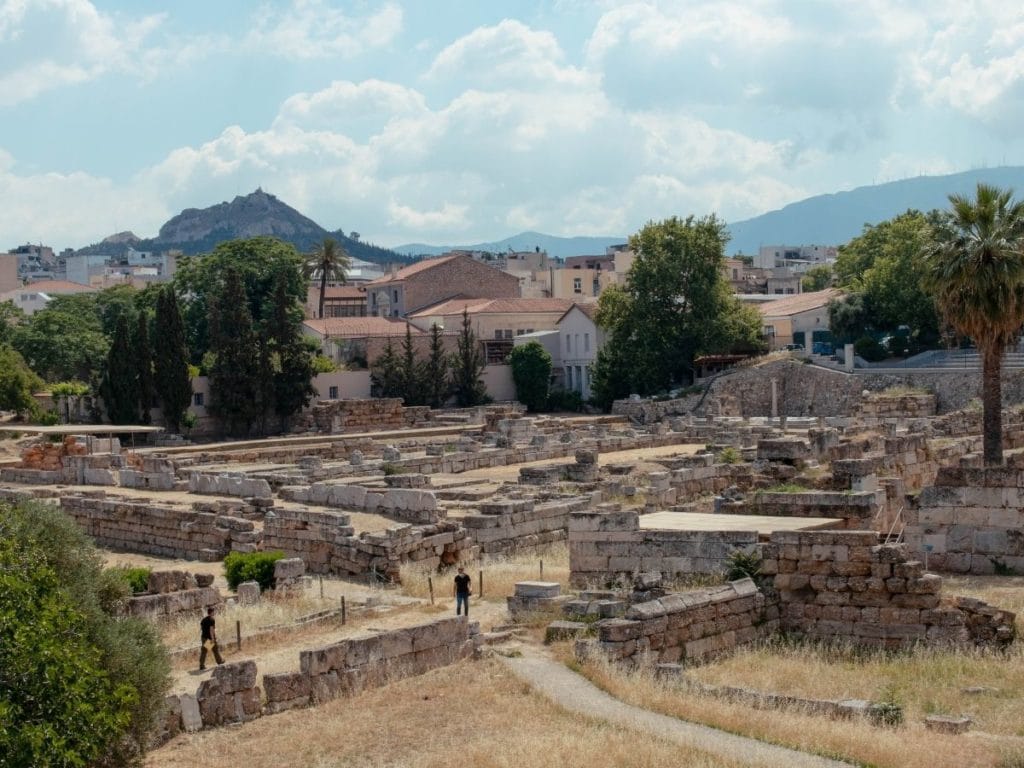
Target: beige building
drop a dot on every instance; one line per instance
(496, 322)
(8, 272)
(35, 296)
(798, 319)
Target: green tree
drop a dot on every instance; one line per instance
(975, 269)
(468, 367)
(437, 371)
(611, 376)
(170, 364)
(143, 358)
(531, 373)
(17, 382)
(235, 373)
(412, 371)
(674, 305)
(290, 360)
(817, 278)
(329, 263)
(10, 318)
(386, 372)
(120, 388)
(78, 685)
(258, 261)
(62, 342)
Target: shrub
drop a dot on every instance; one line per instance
(323, 364)
(869, 349)
(531, 372)
(729, 455)
(78, 686)
(137, 579)
(251, 566)
(742, 565)
(565, 400)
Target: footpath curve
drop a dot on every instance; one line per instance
(577, 694)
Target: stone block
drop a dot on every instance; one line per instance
(947, 724)
(248, 593)
(564, 630)
(537, 589)
(289, 568)
(234, 677)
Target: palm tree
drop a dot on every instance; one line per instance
(329, 263)
(975, 270)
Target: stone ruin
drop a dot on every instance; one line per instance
(170, 593)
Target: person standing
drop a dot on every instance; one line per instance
(462, 591)
(208, 639)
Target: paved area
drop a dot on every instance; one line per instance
(577, 694)
(699, 521)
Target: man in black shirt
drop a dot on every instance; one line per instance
(462, 591)
(208, 639)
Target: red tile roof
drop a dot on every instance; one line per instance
(588, 308)
(338, 292)
(56, 286)
(494, 307)
(414, 269)
(797, 303)
(360, 327)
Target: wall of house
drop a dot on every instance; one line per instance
(579, 340)
(459, 277)
(498, 381)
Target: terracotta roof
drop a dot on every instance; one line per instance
(360, 327)
(56, 286)
(414, 269)
(494, 307)
(588, 308)
(338, 292)
(797, 303)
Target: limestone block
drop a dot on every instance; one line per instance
(248, 593)
(533, 589)
(289, 568)
(191, 719)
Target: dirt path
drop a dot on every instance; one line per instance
(577, 694)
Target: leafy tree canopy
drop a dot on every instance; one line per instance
(531, 372)
(17, 382)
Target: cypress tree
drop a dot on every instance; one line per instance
(144, 367)
(235, 372)
(292, 376)
(386, 372)
(437, 372)
(410, 376)
(120, 388)
(468, 367)
(170, 363)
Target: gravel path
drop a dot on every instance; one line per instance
(577, 694)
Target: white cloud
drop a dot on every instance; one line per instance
(902, 166)
(449, 217)
(49, 44)
(313, 29)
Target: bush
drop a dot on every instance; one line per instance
(743, 565)
(869, 349)
(565, 400)
(137, 579)
(729, 455)
(322, 364)
(531, 372)
(78, 686)
(251, 566)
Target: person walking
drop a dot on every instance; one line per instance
(208, 639)
(462, 591)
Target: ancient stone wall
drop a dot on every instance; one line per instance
(337, 416)
(412, 505)
(368, 661)
(911, 405)
(173, 592)
(844, 586)
(610, 546)
(143, 526)
(971, 520)
(857, 511)
(688, 627)
(504, 526)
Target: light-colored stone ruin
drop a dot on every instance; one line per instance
(848, 500)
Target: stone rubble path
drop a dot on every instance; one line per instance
(577, 694)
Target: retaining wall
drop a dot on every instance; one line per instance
(504, 526)
(610, 546)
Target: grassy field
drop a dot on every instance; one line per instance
(473, 714)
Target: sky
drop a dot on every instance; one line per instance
(456, 122)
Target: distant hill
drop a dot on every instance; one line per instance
(836, 219)
(199, 230)
(559, 247)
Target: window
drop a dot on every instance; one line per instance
(332, 393)
(520, 331)
(586, 342)
(198, 399)
(577, 285)
(394, 295)
(508, 333)
(568, 343)
(596, 286)
(498, 334)
(576, 343)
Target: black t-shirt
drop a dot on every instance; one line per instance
(207, 625)
(462, 582)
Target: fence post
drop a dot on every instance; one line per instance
(321, 587)
(430, 585)
(481, 584)
(238, 634)
(343, 618)
(542, 570)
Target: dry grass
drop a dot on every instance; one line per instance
(924, 681)
(1001, 591)
(910, 746)
(472, 714)
(500, 574)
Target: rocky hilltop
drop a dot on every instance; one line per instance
(199, 230)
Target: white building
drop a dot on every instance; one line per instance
(35, 296)
(580, 338)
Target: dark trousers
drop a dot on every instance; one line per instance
(202, 654)
(460, 602)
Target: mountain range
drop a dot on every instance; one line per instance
(831, 219)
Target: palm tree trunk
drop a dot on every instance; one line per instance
(992, 404)
(323, 288)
